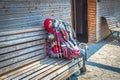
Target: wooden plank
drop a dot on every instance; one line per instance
(35, 69)
(38, 28)
(22, 63)
(21, 52)
(7, 11)
(22, 35)
(18, 17)
(21, 46)
(22, 25)
(27, 4)
(67, 73)
(25, 69)
(39, 76)
(22, 11)
(59, 71)
(43, 70)
(18, 41)
(21, 58)
(12, 12)
(58, 1)
(21, 22)
(117, 29)
(19, 70)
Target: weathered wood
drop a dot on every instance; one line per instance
(22, 52)
(31, 10)
(22, 63)
(44, 69)
(27, 16)
(24, 14)
(21, 58)
(113, 25)
(59, 71)
(68, 72)
(21, 46)
(18, 41)
(4, 33)
(25, 69)
(32, 72)
(112, 22)
(28, 4)
(117, 29)
(19, 16)
(22, 24)
(11, 55)
(47, 72)
(23, 35)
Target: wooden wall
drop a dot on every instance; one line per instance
(15, 14)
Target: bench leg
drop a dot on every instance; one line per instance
(112, 34)
(118, 35)
(84, 54)
(83, 69)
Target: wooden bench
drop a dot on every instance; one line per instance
(113, 24)
(23, 57)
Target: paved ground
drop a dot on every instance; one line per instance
(104, 64)
(103, 61)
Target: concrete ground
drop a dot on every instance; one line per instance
(104, 64)
(104, 61)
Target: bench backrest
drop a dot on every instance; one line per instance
(21, 47)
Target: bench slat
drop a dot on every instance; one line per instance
(59, 71)
(22, 35)
(21, 52)
(44, 69)
(20, 46)
(35, 69)
(21, 31)
(22, 63)
(18, 41)
(21, 58)
(117, 29)
(64, 75)
(26, 69)
(47, 72)
(68, 72)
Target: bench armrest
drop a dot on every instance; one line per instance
(84, 48)
(118, 24)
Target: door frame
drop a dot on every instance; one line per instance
(73, 15)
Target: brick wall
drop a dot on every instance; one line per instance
(106, 8)
(91, 20)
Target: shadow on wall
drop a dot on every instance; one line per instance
(104, 31)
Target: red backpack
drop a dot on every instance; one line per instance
(60, 42)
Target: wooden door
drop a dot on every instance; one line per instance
(80, 19)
